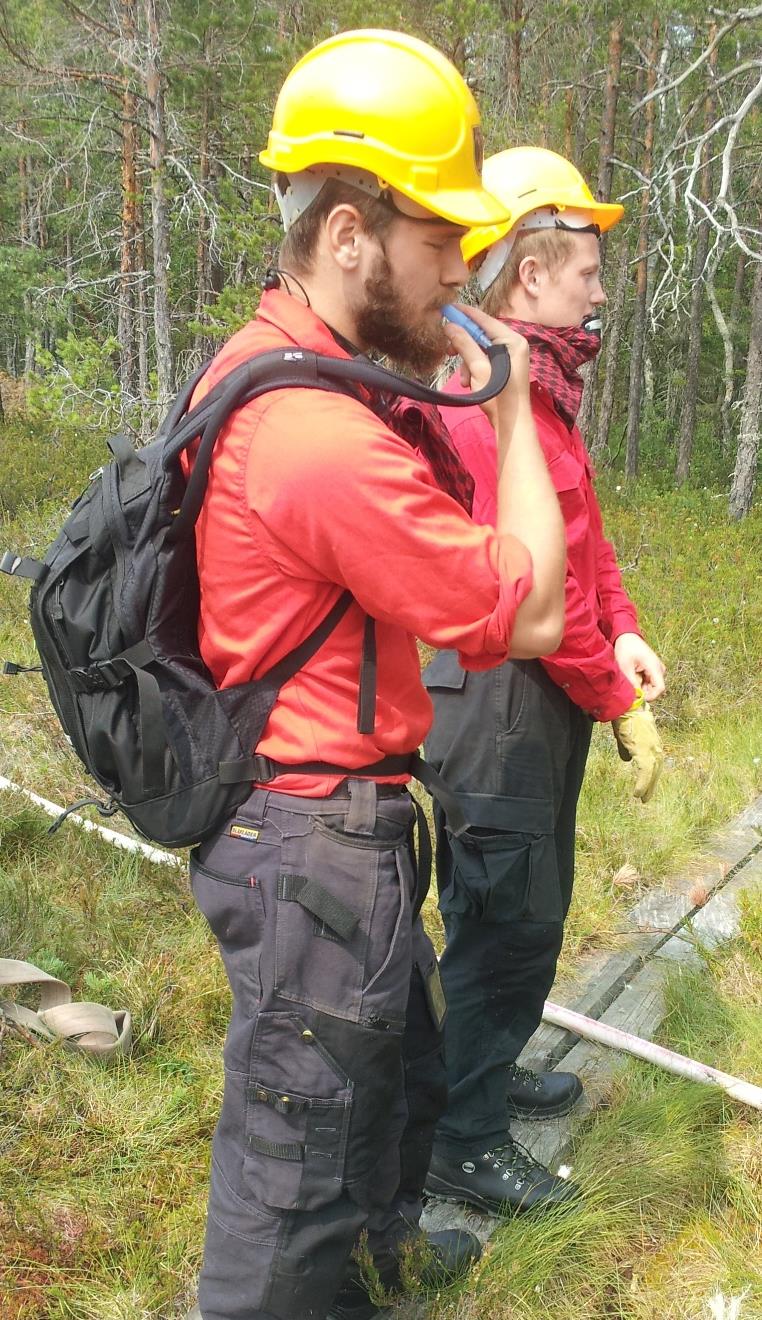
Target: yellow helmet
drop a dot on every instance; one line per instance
(390, 105)
(541, 190)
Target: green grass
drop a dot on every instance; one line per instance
(671, 1174)
(103, 1168)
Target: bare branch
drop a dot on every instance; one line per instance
(741, 16)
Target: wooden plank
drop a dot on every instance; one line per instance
(639, 1008)
(652, 921)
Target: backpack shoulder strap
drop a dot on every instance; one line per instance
(294, 368)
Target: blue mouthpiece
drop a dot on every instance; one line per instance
(458, 317)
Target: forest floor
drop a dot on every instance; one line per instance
(103, 1168)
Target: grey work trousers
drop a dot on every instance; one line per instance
(334, 1070)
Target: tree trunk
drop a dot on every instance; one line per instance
(608, 126)
(695, 320)
(728, 354)
(203, 257)
(126, 328)
(143, 357)
(744, 476)
(611, 339)
(605, 178)
(738, 289)
(695, 324)
(544, 110)
(581, 136)
(641, 294)
(513, 15)
(160, 226)
(569, 124)
(26, 238)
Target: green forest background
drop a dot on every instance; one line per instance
(136, 222)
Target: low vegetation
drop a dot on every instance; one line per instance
(103, 1168)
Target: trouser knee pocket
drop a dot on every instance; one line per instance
(298, 1106)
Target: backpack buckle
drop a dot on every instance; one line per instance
(101, 676)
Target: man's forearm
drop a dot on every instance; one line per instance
(527, 508)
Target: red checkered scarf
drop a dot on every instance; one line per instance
(423, 428)
(557, 353)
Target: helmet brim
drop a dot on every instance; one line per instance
(463, 206)
(603, 214)
(471, 207)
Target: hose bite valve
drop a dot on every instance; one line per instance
(593, 324)
(457, 317)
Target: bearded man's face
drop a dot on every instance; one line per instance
(390, 320)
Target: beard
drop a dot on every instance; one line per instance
(390, 323)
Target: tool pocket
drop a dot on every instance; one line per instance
(298, 1103)
(343, 925)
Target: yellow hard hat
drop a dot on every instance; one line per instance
(393, 106)
(532, 179)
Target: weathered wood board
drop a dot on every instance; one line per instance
(648, 926)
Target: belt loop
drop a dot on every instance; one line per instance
(255, 806)
(361, 816)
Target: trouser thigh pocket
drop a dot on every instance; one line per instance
(505, 867)
(343, 925)
(298, 1105)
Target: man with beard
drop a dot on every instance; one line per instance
(334, 1075)
(513, 741)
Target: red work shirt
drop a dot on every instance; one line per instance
(309, 494)
(598, 609)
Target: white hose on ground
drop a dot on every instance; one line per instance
(613, 1037)
(113, 836)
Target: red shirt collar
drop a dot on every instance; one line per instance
(298, 322)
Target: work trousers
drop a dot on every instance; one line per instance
(334, 1070)
(514, 748)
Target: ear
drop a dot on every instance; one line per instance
(345, 236)
(529, 275)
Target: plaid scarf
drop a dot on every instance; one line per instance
(557, 352)
(423, 428)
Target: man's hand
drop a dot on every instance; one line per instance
(640, 664)
(476, 366)
(638, 741)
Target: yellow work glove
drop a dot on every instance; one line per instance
(638, 740)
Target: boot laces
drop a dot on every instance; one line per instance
(514, 1156)
(525, 1075)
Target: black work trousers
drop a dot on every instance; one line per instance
(513, 747)
(334, 1070)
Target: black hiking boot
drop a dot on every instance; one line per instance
(499, 1182)
(539, 1095)
(450, 1253)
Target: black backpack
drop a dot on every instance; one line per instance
(114, 612)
